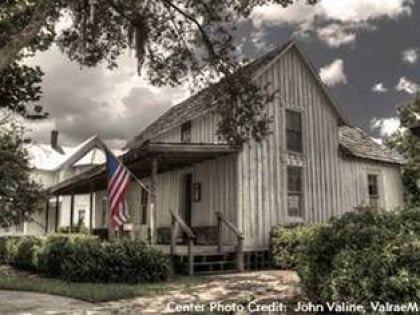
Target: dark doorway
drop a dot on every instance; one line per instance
(187, 198)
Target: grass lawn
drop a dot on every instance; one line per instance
(91, 292)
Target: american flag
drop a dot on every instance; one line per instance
(119, 179)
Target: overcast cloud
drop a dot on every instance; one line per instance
(365, 50)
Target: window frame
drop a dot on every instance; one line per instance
(300, 192)
(104, 214)
(293, 145)
(373, 198)
(144, 202)
(186, 132)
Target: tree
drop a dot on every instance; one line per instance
(409, 146)
(19, 195)
(173, 40)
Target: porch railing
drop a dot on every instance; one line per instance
(221, 219)
(176, 221)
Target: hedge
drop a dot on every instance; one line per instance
(84, 258)
(284, 244)
(361, 257)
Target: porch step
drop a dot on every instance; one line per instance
(211, 263)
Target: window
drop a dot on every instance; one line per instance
(294, 194)
(104, 220)
(81, 217)
(294, 131)
(143, 206)
(373, 190)
(186, 132)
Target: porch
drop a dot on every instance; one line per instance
(193, 227)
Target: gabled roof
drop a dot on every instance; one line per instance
(195, 105)
(44, 157)
(356, 143)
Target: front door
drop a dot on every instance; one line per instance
(186, 206)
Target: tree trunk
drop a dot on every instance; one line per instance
(44, 9)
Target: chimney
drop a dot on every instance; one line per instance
(54, 140)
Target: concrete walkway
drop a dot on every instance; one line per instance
(28, 303)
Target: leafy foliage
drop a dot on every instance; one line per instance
(285, 243)
(24, 257)
(20, 84)
(174, 41)
(362, 257)
(409, 146)
(19, 195)
(84, 258)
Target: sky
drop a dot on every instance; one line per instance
(366, 51)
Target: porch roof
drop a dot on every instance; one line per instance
(169, 155)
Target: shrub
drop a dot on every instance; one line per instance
(5, 243)
(363, 256)
(284, 244)
(55, 250)
(118, 261)
(24, 257)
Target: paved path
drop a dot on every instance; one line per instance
(28, 303)
(262, 286)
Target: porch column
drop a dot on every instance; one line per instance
(152, 211)
(91, 210)
(57, 210)
(71, 213)
(47, 212)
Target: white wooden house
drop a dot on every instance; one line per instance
(51, 164)
(314, 165)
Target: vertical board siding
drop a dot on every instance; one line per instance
(218, 192)
(262, 172)
(203, 130)
(251, 187)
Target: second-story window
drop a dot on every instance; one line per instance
(294, 131)
(186, 132)
(373, 190)
(294, 192)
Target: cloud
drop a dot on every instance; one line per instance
(333, 73)
(386, 126)
(334, 35)
(379, 88)
(116, 105)
(407, 86)
(410, 55)
(333, 22)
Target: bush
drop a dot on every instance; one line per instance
(85, 258)
(5, 243)
(55, 250)
(363, 256)
(284, 244)
(24, 255)
(118, 261)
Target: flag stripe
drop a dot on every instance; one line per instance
(119, 179)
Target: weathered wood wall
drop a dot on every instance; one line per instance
(327, 179)
(203, 130)
(251, 188)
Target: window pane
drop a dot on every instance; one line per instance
(295, 194)
(186, 132)
(294, 205)
(294, 131)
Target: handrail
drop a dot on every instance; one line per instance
(175, 222)
(184, 227)
(229, 224)
(239, 235)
